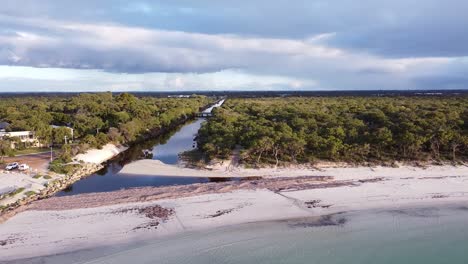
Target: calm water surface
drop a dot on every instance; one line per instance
(416, 236)
(166, 149)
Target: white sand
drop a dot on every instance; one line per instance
(99, 156)
(157, 168)
(11, 181)
(47, 232)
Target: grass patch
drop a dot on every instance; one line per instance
(47, 177)
(32, 151)
(29, 193)
(37, 176)
(15, 192)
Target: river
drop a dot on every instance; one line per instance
(165, 148)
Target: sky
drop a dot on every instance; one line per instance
(186, 45)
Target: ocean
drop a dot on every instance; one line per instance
(426, 235)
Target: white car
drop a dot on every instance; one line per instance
(12, 166)
(23, 167)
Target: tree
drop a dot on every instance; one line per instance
(91, 141)
(60, 133)
(114, 135)
(66, 153)
(101, 140)
(5, 149)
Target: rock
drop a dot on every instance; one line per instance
(54, 186)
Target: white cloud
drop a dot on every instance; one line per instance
(195, 60)
(56, 79)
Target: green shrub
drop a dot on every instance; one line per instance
(15, 192)
(65, 153)
(91, 141)
(101, 140)
(59, 166)
(29, 193)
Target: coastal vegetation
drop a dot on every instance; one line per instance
(349, 129)
(96, 119)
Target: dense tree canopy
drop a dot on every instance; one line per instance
(354, 129)
(96, 118)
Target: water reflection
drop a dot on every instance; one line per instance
(165, 148)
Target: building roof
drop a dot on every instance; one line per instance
(54, 126)
(16, 133)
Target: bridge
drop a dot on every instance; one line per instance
(204, 114)
(208, 112)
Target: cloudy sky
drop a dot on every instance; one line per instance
(176, 45)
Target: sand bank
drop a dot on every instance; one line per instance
(99, 156)
(62, 224)
(157, 168)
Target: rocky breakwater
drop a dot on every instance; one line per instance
(54, 185)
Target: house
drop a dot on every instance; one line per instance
(4, 126)
(26, 137)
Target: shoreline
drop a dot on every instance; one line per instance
(335, 220)
(106, 219)
(34, 189)
(151, 168)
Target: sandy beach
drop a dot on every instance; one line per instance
(63, 224)
(342, 171)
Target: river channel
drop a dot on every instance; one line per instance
(165, 148)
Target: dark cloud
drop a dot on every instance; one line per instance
(369, 44)
(398, 28)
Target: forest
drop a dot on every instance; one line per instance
(350, 129)
(96, 118)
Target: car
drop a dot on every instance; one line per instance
(23, 167)
(12, 166)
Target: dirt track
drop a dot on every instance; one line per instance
(38, 162)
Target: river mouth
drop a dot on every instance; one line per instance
(165, 148)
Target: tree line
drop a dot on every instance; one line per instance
(350, 129)
(96, 118)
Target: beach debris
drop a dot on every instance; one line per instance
(10, 240)
(371, 180)
(145, 194)
(221, 212)
(316, 204)
(156, 213)
(439, 196)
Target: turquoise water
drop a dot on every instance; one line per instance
(426, 236)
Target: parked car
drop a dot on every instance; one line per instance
(12, 166)
(23, 167)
